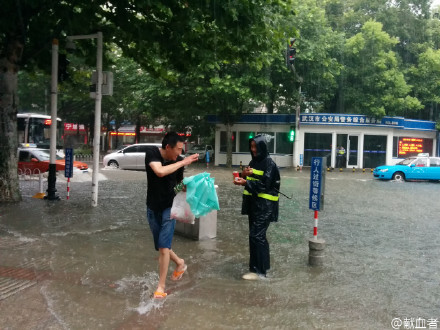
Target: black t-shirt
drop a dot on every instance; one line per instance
(160, 191)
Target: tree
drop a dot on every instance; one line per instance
(374, 85)
(166, 39)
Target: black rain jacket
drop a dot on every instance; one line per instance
(261, 193)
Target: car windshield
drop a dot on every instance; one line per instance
(407, 161)
(43, 155)
(198, 147)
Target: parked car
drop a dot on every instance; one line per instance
(421, 167)
(31, 159)
(129, 158)
(122, 146)
(201, 149)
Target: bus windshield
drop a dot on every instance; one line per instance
(35, 128)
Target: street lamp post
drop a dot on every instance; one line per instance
(98, 98)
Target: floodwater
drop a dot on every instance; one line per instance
(96, 267)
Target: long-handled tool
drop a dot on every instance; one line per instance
(283, 194)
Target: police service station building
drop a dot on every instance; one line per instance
(368, 142)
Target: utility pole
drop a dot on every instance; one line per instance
(51, 181)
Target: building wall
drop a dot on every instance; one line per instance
(387, 131)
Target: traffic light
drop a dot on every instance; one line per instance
(292, 134)
(251, 135)
(63, 63)
(291, 52)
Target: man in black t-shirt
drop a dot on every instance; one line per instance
(164, 170)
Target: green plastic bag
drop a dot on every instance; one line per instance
(200, 194)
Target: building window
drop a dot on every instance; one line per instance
(271, 143)
(375, 149)
(223, 146)
(243, 143)
(283, 144)
(317, 145)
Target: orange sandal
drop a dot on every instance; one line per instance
(178, 275)
(160, 295)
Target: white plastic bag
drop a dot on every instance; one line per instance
(181, 211)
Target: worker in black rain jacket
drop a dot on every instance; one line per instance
(261, 181)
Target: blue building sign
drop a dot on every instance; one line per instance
(317, 183)
(362, 120)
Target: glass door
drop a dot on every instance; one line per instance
(352, 150)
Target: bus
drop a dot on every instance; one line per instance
(35, 128)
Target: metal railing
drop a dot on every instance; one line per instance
(32, 183)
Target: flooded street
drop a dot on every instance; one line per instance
(68, 265)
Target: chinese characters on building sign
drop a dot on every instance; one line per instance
(343, 119)
(317, 173)
(73, 127)
(410, 146)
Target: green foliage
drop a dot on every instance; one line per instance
(374, 84)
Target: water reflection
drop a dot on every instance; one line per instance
(99, 263)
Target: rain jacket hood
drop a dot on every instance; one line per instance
(261, 143)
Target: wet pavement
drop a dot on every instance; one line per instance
(68, 265)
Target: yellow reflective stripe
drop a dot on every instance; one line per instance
(257, 172)
(269, 197)
(265, 196)
(251, 178)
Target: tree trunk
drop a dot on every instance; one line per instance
(229, 145)
(9, 184)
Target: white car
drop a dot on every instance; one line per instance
(202, 149)
(129, 158)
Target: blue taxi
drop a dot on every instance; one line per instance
(421, 167)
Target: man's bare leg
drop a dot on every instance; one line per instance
(164, 262)
(180, 263)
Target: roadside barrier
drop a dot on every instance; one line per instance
(32, 183)
(87, 157)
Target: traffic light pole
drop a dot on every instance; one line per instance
(51, 181)
(296, 143)
(98, 98)
(296, 153)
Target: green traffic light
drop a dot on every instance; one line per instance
(292, 135)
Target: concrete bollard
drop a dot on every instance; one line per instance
(316, 252)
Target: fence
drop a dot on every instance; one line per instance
(33, 183)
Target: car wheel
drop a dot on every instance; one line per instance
(113, 164)
(399, 176)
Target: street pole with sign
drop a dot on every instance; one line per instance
(68, 170)
(316, 203)
(98, 98)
